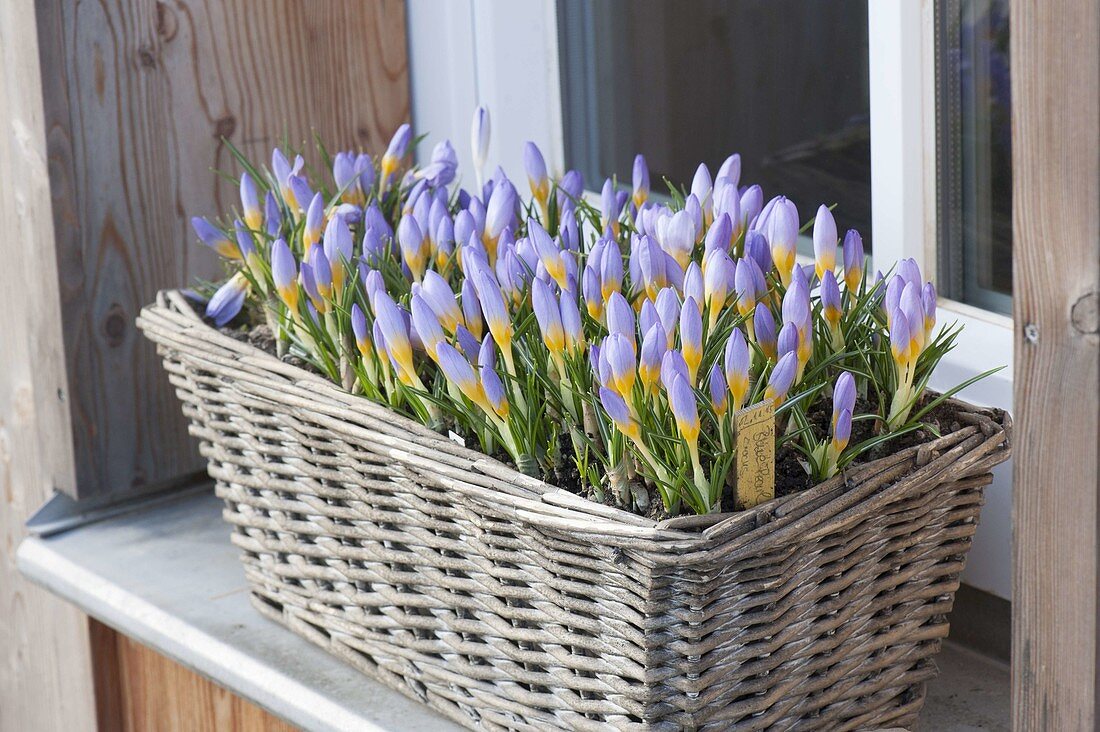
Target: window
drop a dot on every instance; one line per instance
(782, 82)
(974, 152)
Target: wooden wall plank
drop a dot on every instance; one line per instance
(138, 689)
(138, 95)
(1056, 151)
(45, 664)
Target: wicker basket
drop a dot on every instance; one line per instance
(507, 604)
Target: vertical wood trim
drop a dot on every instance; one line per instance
(45, 663)
(1056, 212)
(138, 97)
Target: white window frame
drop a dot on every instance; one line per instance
(505, 55)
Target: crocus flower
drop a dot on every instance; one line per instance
(676, 234)
(727, 206)
(668, 308)
(537, 177)
(394, 330)
(830, 299)
(654, 346)
(494, 309)
(909, 271)
(853, 260)
(611, 269)
(736, 363)
(681, 400)
(693, 283)
(414, 248)
(764, 331)
(899, 338)
(244, 243)
(360, 330)
(720, 271)
(620, 316)
(438, 295)
(396, 150)
(702, 188)
(640, 179)
(308, 282)
(499, 216)
(284, 272)
(788, 339)
(672, 366)
(479, 141)
(618, 351)
(929, 300)
(250, 203)
(913, 306)
(571, 322)
(493, 388)
(651, 266)
(572, 184)
(471, 308)
(719, 392)
(691, 336)
(315, 218)
(730, 170)
(322, 275)
(757, 249)
(752, 201)
(824, 242)
(273, 216)
(844, 398)
(590, 289)
(609, 208)
(782, 378)
(719, 235)
(619, 413)
(842, 431)
(373, 283)
(745, 284)
(548, 315)
(215, 238)
(442, 165)
(284, 173)
(552, 258)
(228, 300)
(782, 233)
(426, 323)
(338, 249)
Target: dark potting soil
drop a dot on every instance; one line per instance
(791, 474)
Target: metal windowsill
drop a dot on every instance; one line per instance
(168, 577)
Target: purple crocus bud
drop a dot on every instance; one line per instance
(465, 227)
(215, 238)
(694, 210)
(618, 352)
(273, 216)
(913, 307)
(338, 246)
(571, 322)
(480, 129)
(693, 283)
(283, 173)
(395, 331)
(301, 190)
(672, 366)
(228, 300)
(572, 184)
(591, 290)
(620, 316)
(691, 336)
(681, 400)
(609, 213)
(782, 233)
(737, 362)
(720, 272)
(844, 396)
(373, 283)
(788, 339)
(651, 266)
(647, 316)
(360, 329)
(719, 234)
(244, 240)
(730, 170)
(824, 242)
(535, 165)
(459, 372)
(441, 167)
(611, 269)
(411, 239)
(719, 392)
(910, 271)
(373, 218)
(494, 391)
(322, 274)
(654, 346)
(853, 260)
(438, 295)
(426, 324)
(757, 249)
(548, 314)
(830, 299)
(315, 217)
(796, 305)
(899, 337)
(752, 201)
(702, 187)
(309, 283)
(396, 150)
(466, 341)
(677, 236)
(619, 413)
(764, 330)
(893, 295)
(782, 378)
(345, 175)
(727, 203)
(640, 180)
(486, 353)
(493, 307)
(250, 202)
(284, 272)
(745, 284)
(471, 308)
(929, 300)
(500, 214)
(668, 308)
(842, 430)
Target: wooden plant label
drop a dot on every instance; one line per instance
(754, 457)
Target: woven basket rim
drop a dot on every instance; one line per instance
(170, 317)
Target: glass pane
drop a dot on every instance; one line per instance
(975, 152)
(782, 82)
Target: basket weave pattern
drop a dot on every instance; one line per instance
(508, 604)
